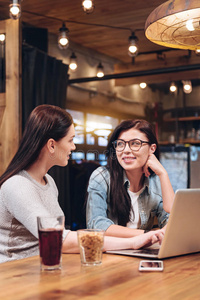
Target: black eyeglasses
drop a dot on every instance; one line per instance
(134, 144)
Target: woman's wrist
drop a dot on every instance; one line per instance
(163, 173)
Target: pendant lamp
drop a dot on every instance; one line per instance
(73, 62)
(15, 9)
(175, 24)
(100, 71)
(63, 41)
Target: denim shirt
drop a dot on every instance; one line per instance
(98, 213)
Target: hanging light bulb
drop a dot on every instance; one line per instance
(63, 41)
(143, 85)
(2, 38)
(133, 45)
(88, 6)
(197, 51)
(187, 86)
(73, 62)
(100, 72)
(173, 87)
(15, 9)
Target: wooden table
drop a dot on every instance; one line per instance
(117, 278)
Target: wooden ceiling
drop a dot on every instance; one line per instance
(113, 42)
(106, 30)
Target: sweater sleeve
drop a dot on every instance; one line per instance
(24, 202)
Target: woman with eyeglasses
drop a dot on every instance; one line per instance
(125, 196)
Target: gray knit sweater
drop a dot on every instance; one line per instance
(22, 199)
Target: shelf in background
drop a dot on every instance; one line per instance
(182, 119)
(182, 142)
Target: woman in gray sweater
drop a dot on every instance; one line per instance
(27, 191)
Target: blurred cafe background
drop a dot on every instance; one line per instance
(104, 62)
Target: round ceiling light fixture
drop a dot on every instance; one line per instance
(175, 24)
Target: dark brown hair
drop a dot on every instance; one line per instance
(45, 122)
(119, 199)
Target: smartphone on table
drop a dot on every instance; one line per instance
(151, 265)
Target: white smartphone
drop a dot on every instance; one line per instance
(151, 265)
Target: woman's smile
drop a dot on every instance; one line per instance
(128, 159)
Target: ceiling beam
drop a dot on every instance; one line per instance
(179, 61)
(167, 70)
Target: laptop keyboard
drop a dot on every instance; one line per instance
(147, 251)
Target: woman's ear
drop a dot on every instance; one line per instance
(153, 148)
(51, 145)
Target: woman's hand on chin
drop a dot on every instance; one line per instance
(154, 164)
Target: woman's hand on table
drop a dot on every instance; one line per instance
(147, 239)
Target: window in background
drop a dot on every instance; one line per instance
(102, 156)
(100, 128)
(102, 159)
(90, 139)
(78, 156)
(176, 161)
(90, 156)
(103, 141)
(78, 118)
(92, 135)
(103, 162)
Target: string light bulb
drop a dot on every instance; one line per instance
(15, 9)
(2, 38)
(173, 87)
(100, 71)
(143, 85)
(73, 62)
(133, 45)
(88, 6)
(187, 86)
(63, 41)
(197, 51)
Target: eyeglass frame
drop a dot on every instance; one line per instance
(125, 142)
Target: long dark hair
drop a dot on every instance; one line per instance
(45, 122)
(119, 199)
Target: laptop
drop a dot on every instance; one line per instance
(182, 235)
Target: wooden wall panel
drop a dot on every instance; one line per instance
(10, 122)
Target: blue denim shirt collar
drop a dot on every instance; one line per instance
(127, 182)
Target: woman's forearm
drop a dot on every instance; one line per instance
(70, 244)
(122, 231)
(166, 187)
(167, 192)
